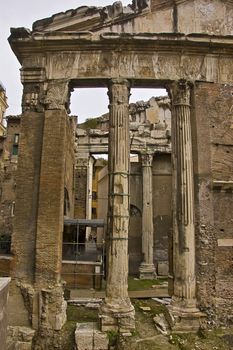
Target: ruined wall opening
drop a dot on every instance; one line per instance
(118, 47)
(150, 125)
(84, 234)
(150, 130)
(89, 103)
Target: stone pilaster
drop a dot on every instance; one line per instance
(49, 290)
(27, 193)
(117, 310)
(147, 268)
(184, 298)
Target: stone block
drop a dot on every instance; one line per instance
(145, 308)
(89, 337)
(4, 284)
(161, 324)
(23, 345)
(26, 334)
(158, 134)
(100, 340)
(60, 319)
(162, 268)
(20, 338)
(108, 323)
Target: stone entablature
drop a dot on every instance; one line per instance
(164, 57)
(87, 17)
(165, 45)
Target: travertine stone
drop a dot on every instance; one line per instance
(88, 337)
(151, 46)
(163, 268)
(189, 16)
(23, 346)
(33, 96)
(20, 338)
(58, 95)
(183, 192)
(147, 268)
(117, 307)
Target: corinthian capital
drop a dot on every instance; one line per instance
(119, 91)
(58, 95)
(180, 92)
(146, 159)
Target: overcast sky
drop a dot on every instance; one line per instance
(22, 13)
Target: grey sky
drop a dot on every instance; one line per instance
(22, 13)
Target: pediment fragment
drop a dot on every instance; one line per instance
(85, 18)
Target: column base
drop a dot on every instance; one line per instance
(117, 316)
(185, 318)
(147, 271)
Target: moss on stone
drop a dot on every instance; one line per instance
(137, 284)
(81, 314)
(145, 336)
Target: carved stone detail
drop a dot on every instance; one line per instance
(82, 162)
(58, 95)
(117, 310)
(181, 93)
(146, 159)
(184, 231)
(140, 4)
(33, 96)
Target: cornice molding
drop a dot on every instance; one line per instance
(65, 40)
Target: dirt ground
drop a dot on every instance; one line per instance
(145, 336)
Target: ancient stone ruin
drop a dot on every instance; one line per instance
(182, 46)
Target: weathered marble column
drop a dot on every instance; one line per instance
(90, 163)
(184, 297)
(147, 268)
(117, 311)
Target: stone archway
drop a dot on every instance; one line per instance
(196, 71)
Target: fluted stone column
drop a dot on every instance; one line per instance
(117, 311)
(89, 194)
(184, 297)
(147, 268)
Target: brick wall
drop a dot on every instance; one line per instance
(80, 191)
(213, 166)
